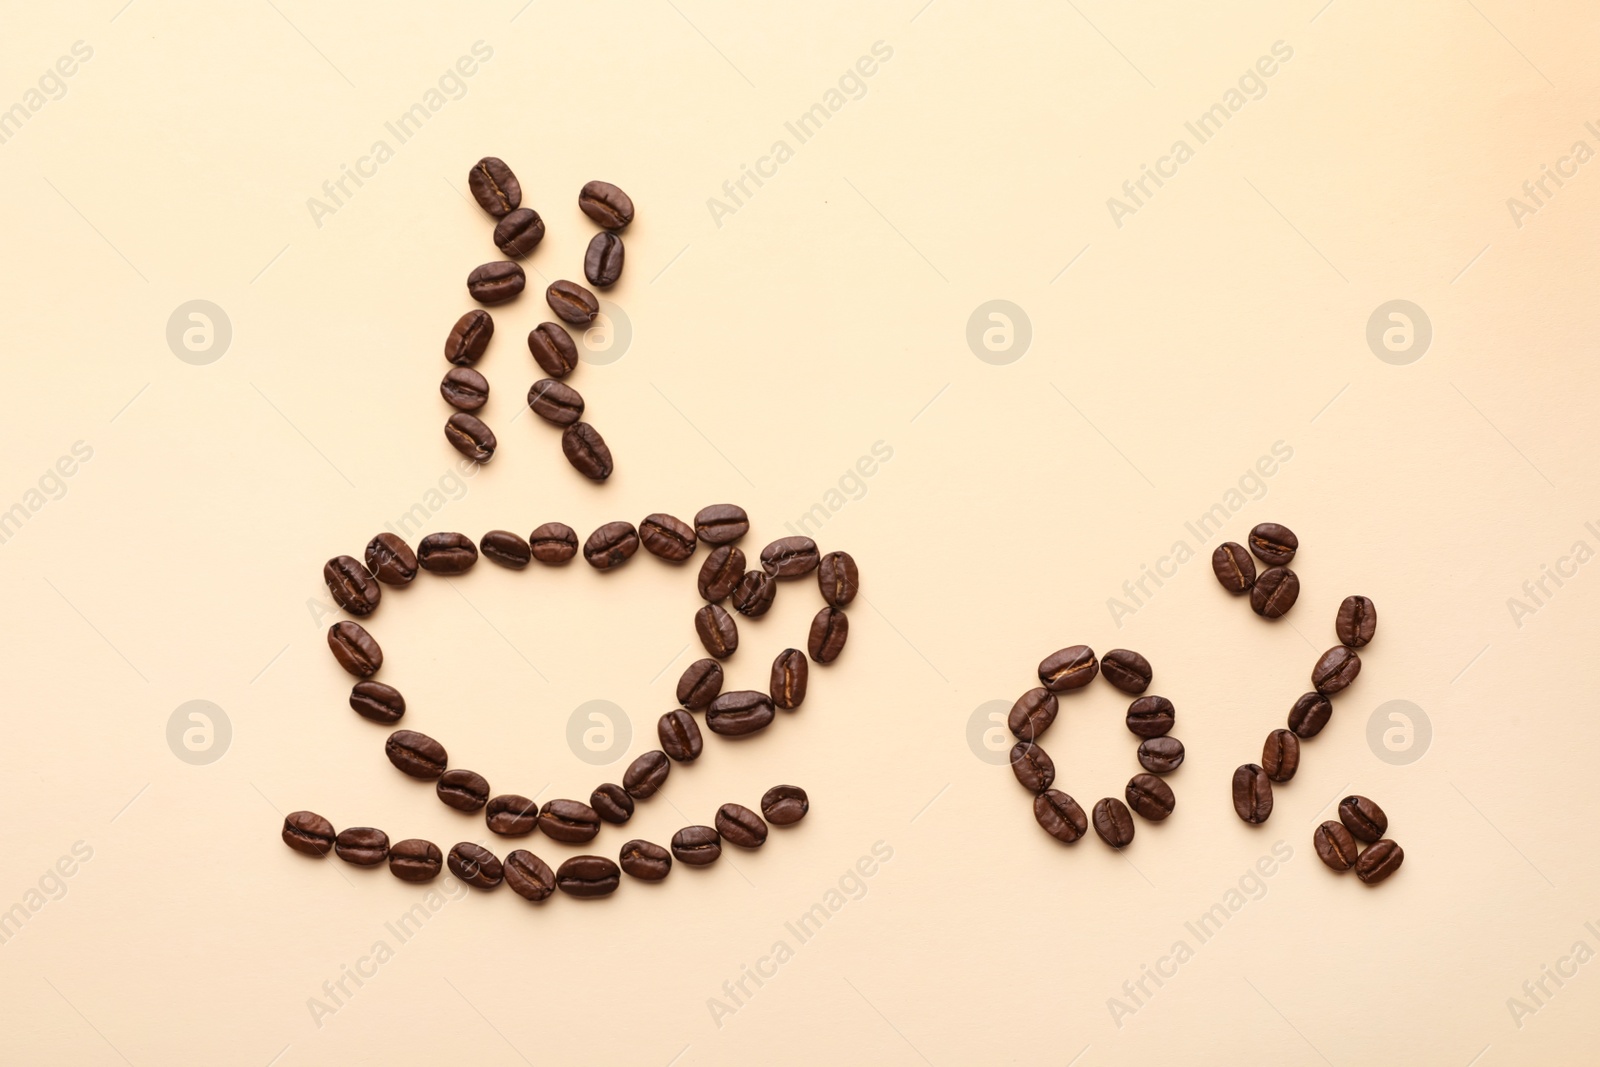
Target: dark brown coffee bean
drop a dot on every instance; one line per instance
(308, 832)
(571, 302)
(1334, 846)
(586, 877)
(511, 815)
(1310, 714)
(1072, 667)
(353, 587)
(785, 805)
(717, 630)
(1033, 767)
(553, 349)
(378, 702)
(1128, 671)
(1275, 592)
(494, 187)
(1335, 669)
(1363, 818)
(464, 389)
(680, 736)
(739, 713)
(696, 845)
(1280, 755)
(415, 860)
(362, 846)
(586, 450)
(838, 578)
(645, 860)
(463, 790)
(700, 684)
(447, 553)
(553, 543)
(496, 282)
(416, 754)
(1151, 716)
(606, 204)
(519, 233)
(1233, 567)
(1273, 544)
(555, 403)
(666, 537)
(355, 649)
(790, 557)
(1113, 822)
(721, 524)
(568, 820)
(529, 876)
(1357, 621)
(646, 774)
(1060, 816)
(469, 435)
(790, 672)
(475, 865)
(1252, 793)
(611, 545)
(612, 803)
(1161, 755)
(1033, 713)
(829, 631)
(602, 262)
(1378, 861)
(1150, 797)
(391, 560)
(720, 573)
(740, 826)
(506, 548)
(753, 596)
(469, 338)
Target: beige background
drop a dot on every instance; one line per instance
(768, 354)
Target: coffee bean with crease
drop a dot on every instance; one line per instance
(602, 261)
(476, 865)
(506, 548)
(1233, 567)
(680, 736)
(1273, 544)
(1033, 713)
(612, 803)
(568, 820)
(511, 815)
(354, 589)
(553, 349)
(416, 754)
(1060, 815)
(529, 876)
(667, 537)
(611, 545)
(363, 846)
(838, 578)
(1310, 714)
(308, 833)
(1363, 818)
(496, 282)
(554, 543)
(494, 186)
(1335, 847)
(555, 403)
(415, 860)
(355, 649)
(1274, 592)
(1151, 716)
(470, 436)
(586, 450)
(519, 233)
(463, 790)
(1150, 797)
(790, 672)
(1357, 621)
(754, 594)
(378, 702)
(1378, 861)
(469, 338)
(464, 389)
(1072, 667)
(1252, 794)
(1280, 755)
(572, 303)
(790, 557)
(1113, 822)
(721, 524)
(1161, 755)
(1335, 669)
(447, 553)
(606, 204)
(1127, 670)
(646, 775)
(739, 713)
(391, 560)
(717, 631)
(785, 805)
(645, 860)
(830, 628)
(740, 826)
(697, 846)
(720, 573)
(699, 684)
(1033, 767)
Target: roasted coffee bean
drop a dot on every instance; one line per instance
(554, 543)
(740, 826)
(1280, 755)
(464, 389)
(1150, 797)
(391, 560)
(697, 845)
(829, 631)
(496, 282)
(789, 674)
(606, 204)
(447, 553)
(494, 187)
(415, 860)
(353, 588)
(567, 820)
(1334, 846)
(1378, 861)
(1033, 767)
(720, 573)
(586, 450)
(1128, 671)
(1060, 816)
(790, 557)
(1033, 713)
(506, 548)
(475, 865)
(308, 832)
(646, 774)
(378, 702)
(1072, 667)
(362, 846)
(602, 263)
(612, 803)
(680, 736)
(571, 302)
(721, 524)
(1274, 592)
(588, 876)
(1335, 669)
(416, 754)
(739, 713)
(555, 403)
(511, 815)
(469, 338)
(1150, 716)
(553, 349)
(1357, 621)
(1252, 793)
(1310, 714)
(700, 684)
(611, 545)
(463, 790)
(785, 805)
(1363, 818)
(1233, 567)
(355, 649)
(1113, 822)
(519, 233)
(838, 578)
(753, 596)
(669, 538)
(1161, 755)
(718, 632)
(645, 860)
(1273, 544)
(529, 876)
(469, 435)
